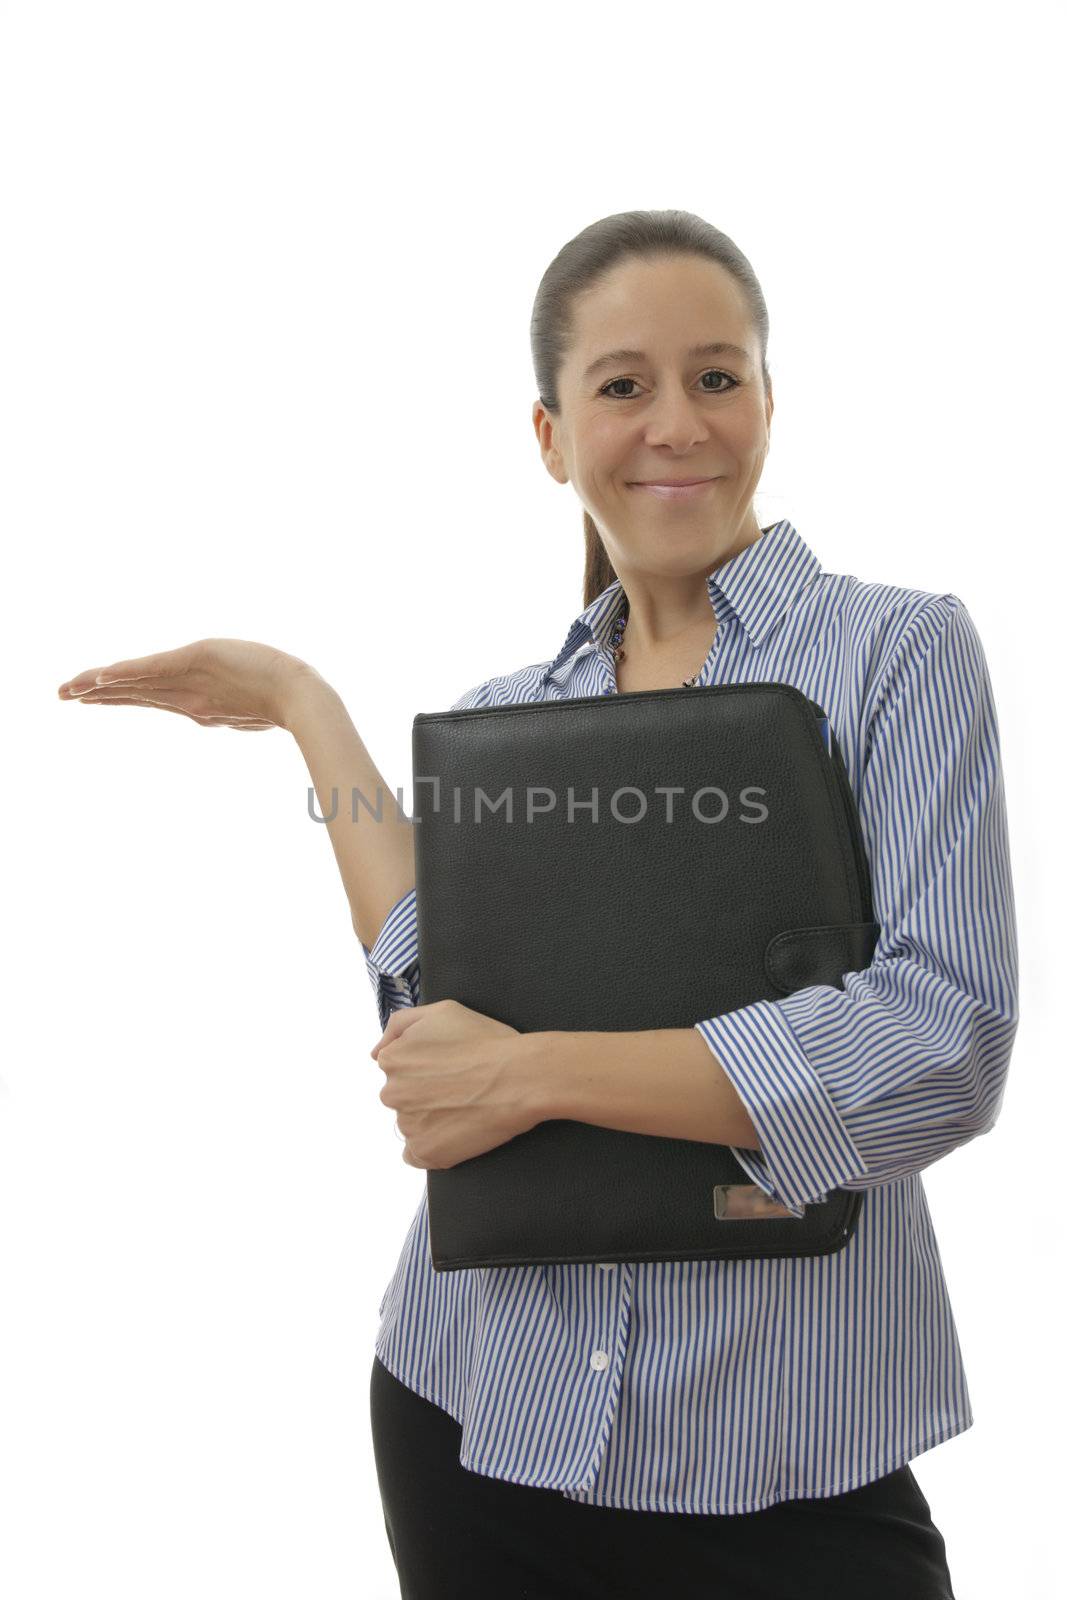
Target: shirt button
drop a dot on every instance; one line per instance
(599, 1360)
(606, 1266)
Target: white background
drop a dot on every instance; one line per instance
(267, 278)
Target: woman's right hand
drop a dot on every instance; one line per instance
(233, 683)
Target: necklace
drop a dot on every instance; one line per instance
(619, 629)
(619, 653)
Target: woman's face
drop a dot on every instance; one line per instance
(668, 413)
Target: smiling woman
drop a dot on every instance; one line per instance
(663, 449)
(631, 420)
(579, 1428)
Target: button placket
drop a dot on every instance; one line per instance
(600, 1360)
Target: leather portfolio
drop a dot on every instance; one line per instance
(622, 862)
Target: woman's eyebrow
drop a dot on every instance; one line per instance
(720, 347)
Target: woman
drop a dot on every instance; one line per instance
(692, 1428)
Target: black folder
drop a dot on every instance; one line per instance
(623, 862)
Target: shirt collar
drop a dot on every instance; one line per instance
(757, 586)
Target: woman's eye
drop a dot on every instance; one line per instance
(711, 373)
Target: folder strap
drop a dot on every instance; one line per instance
(802, 956)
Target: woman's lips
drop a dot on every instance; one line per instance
(676, 491)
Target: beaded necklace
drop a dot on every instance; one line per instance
(619, 653)
(619, 629)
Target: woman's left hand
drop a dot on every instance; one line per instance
(453, 1077)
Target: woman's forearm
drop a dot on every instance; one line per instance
(661, 1080)
(376, 858)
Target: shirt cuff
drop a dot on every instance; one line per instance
(392, 965)
(805, 1148)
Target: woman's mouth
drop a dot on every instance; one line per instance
(678, 489)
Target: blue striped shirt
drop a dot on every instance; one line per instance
(727, 1386)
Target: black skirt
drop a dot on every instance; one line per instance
(458, 1535)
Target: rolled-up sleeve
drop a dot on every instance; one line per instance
(854, 1087)
(393, 963)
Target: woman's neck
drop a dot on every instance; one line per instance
(665, 618)
(669, 665)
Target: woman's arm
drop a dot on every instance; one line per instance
(855, 1087)
(392, 956)
(376, 858)
(242, 683)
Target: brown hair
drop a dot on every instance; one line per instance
(586, 258)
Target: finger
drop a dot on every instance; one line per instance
(392, 1028)
(79, 685)
(388, 1037)
(164, 664)
(120, 671)
(399, 1020)
(102, 697)
(87, 684)
(97, 698)
(166, 700)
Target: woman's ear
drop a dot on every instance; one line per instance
(545, 431)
